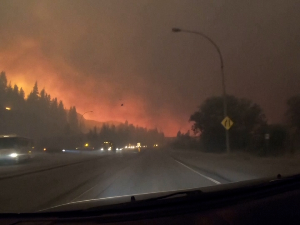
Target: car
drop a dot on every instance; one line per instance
(108, 146)
(15, 148)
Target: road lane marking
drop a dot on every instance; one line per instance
(97, 185)
(212, 180)
(83, 193)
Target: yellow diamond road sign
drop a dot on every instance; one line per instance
(227, 123)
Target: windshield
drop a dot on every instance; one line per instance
(8, 143)
(143, 96)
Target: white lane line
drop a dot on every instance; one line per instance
(83, 193)
(216, 182)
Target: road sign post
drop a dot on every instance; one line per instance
(227, 124)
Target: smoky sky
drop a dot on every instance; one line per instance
(100, 54)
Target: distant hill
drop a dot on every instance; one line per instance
(90, 124)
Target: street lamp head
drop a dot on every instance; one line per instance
(174, 29)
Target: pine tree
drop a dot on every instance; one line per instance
(22, 93)
(73, 120)
(16, 90)
(3, 82)
(43, 94)
(16, 97)
(62, 113)
(33, 98)
(9, 95)
(48, 100)
(43, 105)
(54, 108)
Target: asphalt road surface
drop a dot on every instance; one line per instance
(107, 175)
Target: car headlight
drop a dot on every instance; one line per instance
(109, 148)
(102, 149)
(13, 155)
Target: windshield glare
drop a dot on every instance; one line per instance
(100, 99)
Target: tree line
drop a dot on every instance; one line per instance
(46, 120)
(250, 132)
(35, 116)
(124, 134)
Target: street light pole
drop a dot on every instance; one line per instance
(222, 75)
(82, 119)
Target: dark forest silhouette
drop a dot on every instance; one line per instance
(250, 132)
(46, 120)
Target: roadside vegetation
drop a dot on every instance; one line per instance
(250, 132)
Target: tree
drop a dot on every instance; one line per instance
(34, 94)
(48, 100)
(9, 95)
(178, 134)
(73, 120)
(33, 98)
(22, 93)
(3, 81)
(278, 136)
(16, 92)
(43, 104)
(67, 129)
(104, 132)
(62, 113)
(54, 108)
(13, 98)
(246, 115)
(185, 141)
(293, 112)
(18, 101)
(293, 119)
(3, 86)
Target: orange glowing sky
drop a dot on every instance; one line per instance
(97, 55)
(104, 98)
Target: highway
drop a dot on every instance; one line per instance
(100, 176)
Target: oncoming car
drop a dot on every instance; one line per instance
(15, 148)
(108, 146)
